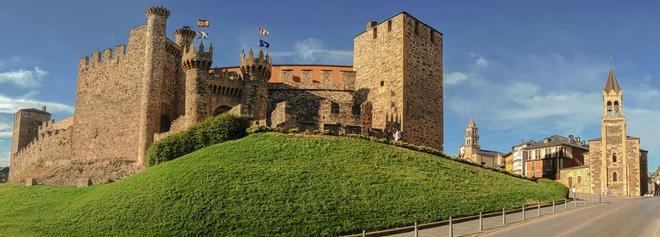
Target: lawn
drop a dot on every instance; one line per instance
(271, 184)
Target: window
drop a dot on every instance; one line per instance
(614, 177)
(609, 108)
(616, 107)
(375, 29)
(334, 107)
(614, 158)
(382, 83)
(416, 27)
(579, 179)
(389, 25)
(356, 110)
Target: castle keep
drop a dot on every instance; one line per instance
(130, 96)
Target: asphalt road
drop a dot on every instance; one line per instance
(620, 217)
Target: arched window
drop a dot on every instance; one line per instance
(609, 108)
(616, 107)
(614, 158)
(614, 176)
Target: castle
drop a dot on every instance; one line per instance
(129, 97)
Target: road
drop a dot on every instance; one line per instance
(620, 217)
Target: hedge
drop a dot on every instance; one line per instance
(211, 131)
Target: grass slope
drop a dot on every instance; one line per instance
(271, 184)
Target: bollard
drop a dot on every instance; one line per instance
(364, 233)
(553, 206)
(575, 203)
(523, 212)
(417, 230)
(481, 222)
(538, 209)
(451, 228)
(503, 217)
(599, 200)
(565, 204)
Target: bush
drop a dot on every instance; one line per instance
(211, 131)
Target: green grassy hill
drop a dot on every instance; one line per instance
(271, 184)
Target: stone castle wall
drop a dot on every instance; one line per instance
(40, 156)
(378, 62)
(423, 93)
(108, 92)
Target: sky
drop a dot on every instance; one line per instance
(522, 69)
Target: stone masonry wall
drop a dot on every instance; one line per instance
(108, 91)
(311, 109)
(39, 157)
(423, 92)
(378, 63)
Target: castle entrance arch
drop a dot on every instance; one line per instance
(221, 109)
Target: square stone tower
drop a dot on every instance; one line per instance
(26, 126)
(399, 80)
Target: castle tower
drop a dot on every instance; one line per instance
(184, 36)
(26, 126)
(255, 73)
(472, 146)
(614, 158)
(196, 65)
(149, 116)
(398, 66)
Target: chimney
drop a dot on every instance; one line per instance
(43, 108)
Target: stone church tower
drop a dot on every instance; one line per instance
(618, 166)
(472, 146)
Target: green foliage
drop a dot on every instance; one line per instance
(211, 131)
(270, 184)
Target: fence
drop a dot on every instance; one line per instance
(478, 223)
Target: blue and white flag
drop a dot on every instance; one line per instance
(202, 35)
(263, 44)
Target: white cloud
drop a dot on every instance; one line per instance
(4, 160)
(479, 60)
(10, 105)
(23, 78)
(5, 129)
(454, 78)
(313, 51)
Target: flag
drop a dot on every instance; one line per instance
(263, 44)
(263, 31)
(202, 23)
(202, 35)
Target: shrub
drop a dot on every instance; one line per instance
(258, 129)
(211, 131)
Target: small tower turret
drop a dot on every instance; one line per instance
(184, 36)
(196, 64)
(255, 73)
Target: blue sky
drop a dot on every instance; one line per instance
(522, 69)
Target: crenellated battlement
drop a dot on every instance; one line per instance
(108, 56)
(157, 11)
(197, 57)
(258, 68)
(47, 136)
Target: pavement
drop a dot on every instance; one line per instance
(620, 217)
(614, 217)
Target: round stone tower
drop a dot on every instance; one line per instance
(149, 116)
(255, 73)
(196, 64)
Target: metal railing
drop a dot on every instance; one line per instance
(507, 216)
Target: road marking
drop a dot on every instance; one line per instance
(601, 216)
